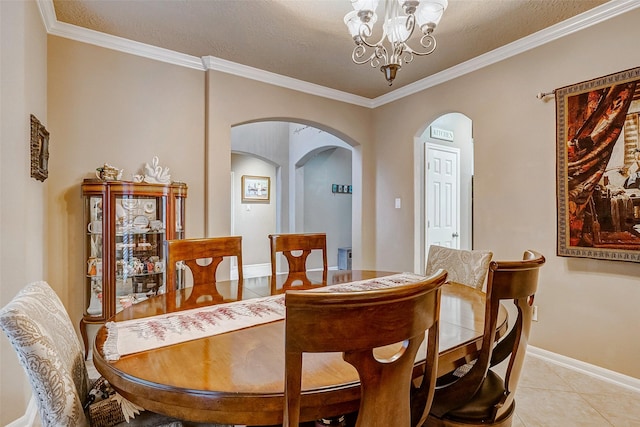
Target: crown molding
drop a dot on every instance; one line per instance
(222, 65)
(579, 22)
(554, 32)
(85, 35)
(47, 12)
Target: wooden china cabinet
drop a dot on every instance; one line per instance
(126, 224)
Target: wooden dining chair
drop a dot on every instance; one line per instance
(296, 248)
(481, 397)
(356, 323)
(468, 267)
(202, 257)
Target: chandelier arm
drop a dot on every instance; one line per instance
(427, 41)
(380, 53)
(359, 56)
(410, 26)
(366, 33)
(406, 55)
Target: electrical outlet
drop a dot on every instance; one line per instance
(534, 315)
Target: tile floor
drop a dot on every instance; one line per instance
(550, 395)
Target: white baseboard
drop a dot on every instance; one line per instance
(255, 270)
(607, 375)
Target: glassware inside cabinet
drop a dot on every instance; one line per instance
(93, 251)
(140, 233)
(179, 216)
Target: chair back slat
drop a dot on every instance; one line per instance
(202, 257)
(356, 323)
(296, 248)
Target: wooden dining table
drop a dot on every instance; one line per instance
(238, 377)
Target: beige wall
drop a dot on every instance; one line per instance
(23, 204)
(587, 308)
(106, 106)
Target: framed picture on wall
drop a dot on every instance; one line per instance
(255, 188)
(598, 167)
(39, 144)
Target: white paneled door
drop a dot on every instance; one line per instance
(442, 196)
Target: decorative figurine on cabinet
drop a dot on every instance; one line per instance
(155, 174)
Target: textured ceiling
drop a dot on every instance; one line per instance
(307, 39)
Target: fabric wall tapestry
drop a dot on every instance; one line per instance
(598, 168)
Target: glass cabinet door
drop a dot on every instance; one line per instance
(93, 250)
(179, 202)
(140, 228)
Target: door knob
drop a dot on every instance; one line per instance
(455, 235)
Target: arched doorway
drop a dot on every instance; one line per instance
(444, 185)
(304, 163)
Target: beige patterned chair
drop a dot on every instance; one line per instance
(48, 349)
(463, 266)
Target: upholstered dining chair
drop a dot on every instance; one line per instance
(481, 397)
(202, 257)
(356, 323)
(296, 248)
(467, 267)
(41, 333)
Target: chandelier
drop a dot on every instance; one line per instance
(400, 20)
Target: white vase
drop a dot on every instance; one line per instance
(95, 305)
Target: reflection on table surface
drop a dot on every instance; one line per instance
(254, 287)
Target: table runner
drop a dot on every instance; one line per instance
(136, 335)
